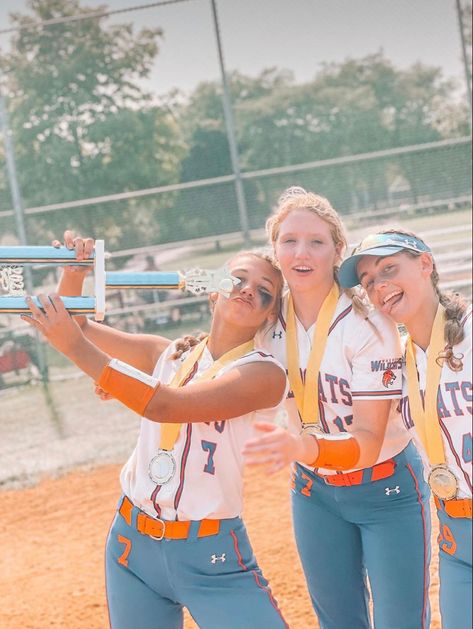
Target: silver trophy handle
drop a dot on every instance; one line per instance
(199, 281)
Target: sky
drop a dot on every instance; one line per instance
(298, 35)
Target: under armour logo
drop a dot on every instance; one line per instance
(393, 490)
(216, 558)
(277, 335)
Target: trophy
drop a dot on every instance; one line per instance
(13, 259)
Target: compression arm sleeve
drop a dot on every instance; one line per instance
(132, 387)
(337, 452)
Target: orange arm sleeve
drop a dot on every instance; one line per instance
(130, 386)
(337, 452)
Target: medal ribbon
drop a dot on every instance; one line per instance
(425, 415)
(170, 432)
(307, 393)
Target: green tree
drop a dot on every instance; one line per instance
(357, 106)
(83, 124)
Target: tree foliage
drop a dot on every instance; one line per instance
(83, 124)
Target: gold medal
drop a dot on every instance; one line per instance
(162, 467)
(443, 482)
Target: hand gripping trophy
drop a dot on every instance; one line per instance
(12, 290)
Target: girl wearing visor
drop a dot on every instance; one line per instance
(178, 538)
(360, 504)
(398, 273)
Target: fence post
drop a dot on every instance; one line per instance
(229, 123)
(466, 64)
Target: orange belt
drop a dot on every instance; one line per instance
(367, 475)
(456, 508)
(162, 529)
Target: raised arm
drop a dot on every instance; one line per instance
(251, 386)
(140, 350)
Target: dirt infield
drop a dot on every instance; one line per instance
(52, 540)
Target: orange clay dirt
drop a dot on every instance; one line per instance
(52, 548)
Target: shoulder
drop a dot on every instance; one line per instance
(258, 356)
(167, 366)
(372, 326)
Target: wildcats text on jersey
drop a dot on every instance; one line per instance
(386, 364)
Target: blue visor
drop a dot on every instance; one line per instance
(377, 245)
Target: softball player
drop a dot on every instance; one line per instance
(398, 272)
(178, 538)
(360, 503)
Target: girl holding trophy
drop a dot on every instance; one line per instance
(177, 538)
(398, 272)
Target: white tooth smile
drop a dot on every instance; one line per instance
(302, 268)
(391, 295)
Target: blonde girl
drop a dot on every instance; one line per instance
(360, 504)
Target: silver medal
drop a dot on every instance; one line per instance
(162, 467)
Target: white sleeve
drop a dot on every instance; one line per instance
(261, 355)
(377, 361)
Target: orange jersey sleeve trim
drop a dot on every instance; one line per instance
(130, 386)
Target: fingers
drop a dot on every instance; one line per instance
(58, 305)
(36, 312)
(271, 436)
(265, 426)
(82, 246)
(261, 459)
(49, 306)
(103, 395)
(69, 239)
(28, 318)
(272, 462)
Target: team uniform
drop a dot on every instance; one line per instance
(374, 520)
(205, 562)
(454, 410)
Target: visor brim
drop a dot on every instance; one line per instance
(347, 274)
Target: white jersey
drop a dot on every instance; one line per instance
(454, 406)
(358, 364)
(209, 466)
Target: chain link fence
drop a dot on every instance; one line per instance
(99, 147)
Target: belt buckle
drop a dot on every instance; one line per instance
(164, 530)
(328, 478)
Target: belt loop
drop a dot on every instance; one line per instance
(209, 527)
(194, 530)
(367, 474)
(126, 510)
